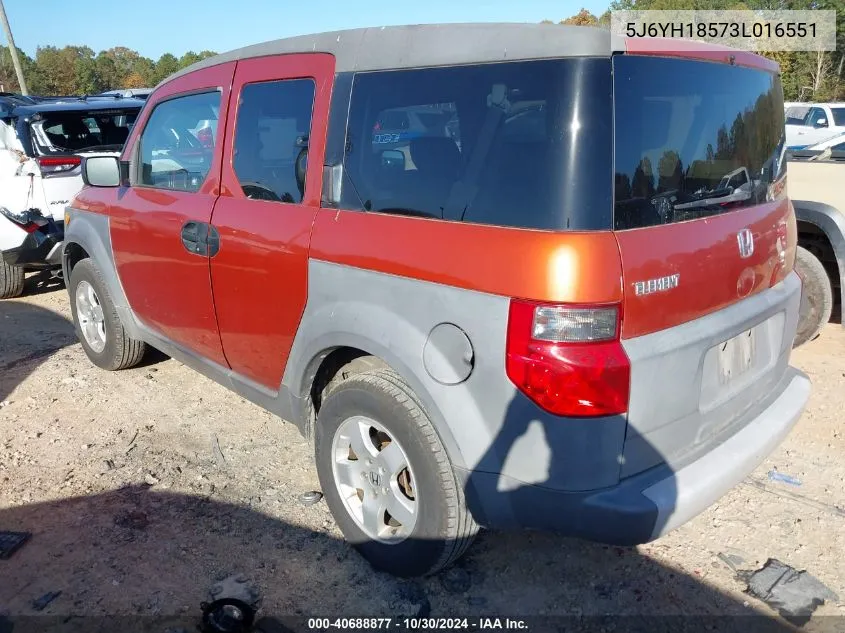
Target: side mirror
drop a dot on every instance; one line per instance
(101, 171)
(393, 159)
(820, 123)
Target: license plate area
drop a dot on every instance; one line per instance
(736, 356)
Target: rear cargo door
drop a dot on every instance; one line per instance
(706, 237)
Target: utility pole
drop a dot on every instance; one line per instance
(13, 50)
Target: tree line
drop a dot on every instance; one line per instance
(806, 76)
(78, 70)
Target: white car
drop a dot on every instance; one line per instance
(811, 123)
(42, 144)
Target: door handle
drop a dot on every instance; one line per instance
(200, 238)
(192, 238)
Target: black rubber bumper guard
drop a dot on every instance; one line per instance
(37, 247)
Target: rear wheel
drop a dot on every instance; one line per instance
(11, 280)
(97, 324)
(386, 476)
(816, 297)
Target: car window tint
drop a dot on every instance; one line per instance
(838, 116)
(797, 115)
(395, 128)
(271, 139)
(797, 112)
(693, 139)
(817, 115)
(173, 153)
(70, 131)
(496, 144)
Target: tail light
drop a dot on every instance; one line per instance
(568, 359)
(26, 220)
(57, 164)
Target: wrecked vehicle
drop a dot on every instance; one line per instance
(42, 143)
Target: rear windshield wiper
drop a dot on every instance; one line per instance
(714, 198)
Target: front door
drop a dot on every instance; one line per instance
(160, 224)
(816, 129)
(269, 197)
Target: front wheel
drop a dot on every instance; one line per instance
(387, 479)
(816, 297)
(97, 323)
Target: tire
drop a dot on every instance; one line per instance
(119, 350)
(816, 297)
(11, 280)
(443, 528)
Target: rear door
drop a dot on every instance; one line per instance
(271, 178)
(704, 229)
(160, 224)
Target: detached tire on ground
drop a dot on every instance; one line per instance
(97, 324)
(11, 281)
(386, 476)
(816, 297)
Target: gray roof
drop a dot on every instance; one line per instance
(395, 47)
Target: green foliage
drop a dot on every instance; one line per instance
(8, 79)
(582, 18)
(77, 70)
(806, 76)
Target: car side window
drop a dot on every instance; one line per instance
(817, 115)
(482, 143)
(271, 139)
(172, 154)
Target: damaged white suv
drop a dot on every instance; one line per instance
(42, 143)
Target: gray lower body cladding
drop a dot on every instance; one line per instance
(486, 424)
(520, 466)
(613, 479)
(645, 506)
(682, 401)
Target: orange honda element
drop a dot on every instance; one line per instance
(508, 276)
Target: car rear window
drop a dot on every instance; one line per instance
(522, 144)
(838, 116)
(69, 131)
(692, 139)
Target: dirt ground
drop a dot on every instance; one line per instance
(144, 487)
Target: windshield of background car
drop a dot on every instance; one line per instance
(693, 139)
(67, 132)
(521, 144)
(797, 115)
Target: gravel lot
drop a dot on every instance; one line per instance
(144, 487)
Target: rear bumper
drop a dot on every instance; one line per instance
(645, 506)
(39, 250)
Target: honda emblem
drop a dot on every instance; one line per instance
(745, 239)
